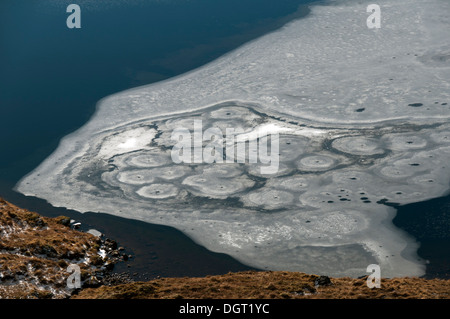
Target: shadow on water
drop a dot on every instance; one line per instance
(429, 223)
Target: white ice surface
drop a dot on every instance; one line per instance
(338, 94)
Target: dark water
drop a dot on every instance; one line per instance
(51, 78)
(429, 223)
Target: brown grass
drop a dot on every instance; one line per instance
(35, 252)
(31, 234)
(271, 285)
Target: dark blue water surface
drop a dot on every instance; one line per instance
(51, 78)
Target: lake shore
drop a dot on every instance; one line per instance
(272, 285)
(37, 250)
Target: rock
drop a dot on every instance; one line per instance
(322, 281)
(109, 266)
(63, 220)
(92, 282)
(76, 225)
(96, 260)
(94, 232)
(112, 244)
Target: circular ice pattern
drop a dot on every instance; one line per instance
(358, 145)
(158, 191)
(316, 163)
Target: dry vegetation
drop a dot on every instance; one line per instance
(35, 252)
(272, 285)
